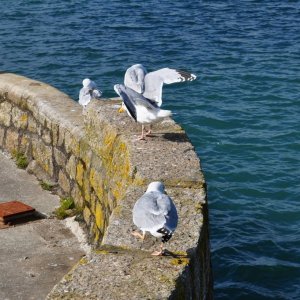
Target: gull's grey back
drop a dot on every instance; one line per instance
(155, 209)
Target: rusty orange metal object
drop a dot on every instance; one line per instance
(13, 210)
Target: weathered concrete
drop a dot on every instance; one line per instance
(95, 158)
(33, 256)
(17, 184)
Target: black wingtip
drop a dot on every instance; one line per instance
(167, 234)
(186, 76)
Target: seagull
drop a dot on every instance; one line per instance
(88, 92)
(134, 78)
(150, 84)
(140, 108)
(155, 212)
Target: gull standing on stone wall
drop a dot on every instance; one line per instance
(155, 212)
(88, 92)
(140, 108)
(148, 85)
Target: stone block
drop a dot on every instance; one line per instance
(96, 182)
(79, 173)
(64, 182)
(2, 135)
(32, 125)
(100, 217)
(38, 171)
(93, 202)
(72, 145)
(60, 157)
(77, 196)
(5, 113)
(43, 155)
(71, 167)
(61, 136)
(11, 142)
(19, 118)
(86, 153)
(86, 187)
(86, 215)
(25, 143)
(46, 136)
(55, 134)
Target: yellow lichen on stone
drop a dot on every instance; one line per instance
(79, 173)
(83, 261)
(86, 215)
(164, 279)
(86, 188)
(96, 183)
(19, 118)
(180, 261)
(117, 210)
(198, 207)
(138, 181)
(97, 236)
(23, 119)
(100, 217)
(101, 252)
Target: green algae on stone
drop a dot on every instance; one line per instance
(66, 209)
(21, 159)
(47, 186)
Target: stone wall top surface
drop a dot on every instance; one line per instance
(167, 155)
(41, 98)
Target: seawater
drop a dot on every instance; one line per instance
(242, 113)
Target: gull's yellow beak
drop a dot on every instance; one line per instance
(121, 109)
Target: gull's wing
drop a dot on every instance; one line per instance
(154, 82)
(134, 78)
(96, 94)
(147, 213)
(128, 102)
(155, 210)
(168, 207)
(84, 96)
(139, 99)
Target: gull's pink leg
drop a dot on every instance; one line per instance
(142, 137)
(149, 131)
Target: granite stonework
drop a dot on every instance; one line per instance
(95, 157)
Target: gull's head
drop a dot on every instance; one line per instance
(86, 82)
(156, 186)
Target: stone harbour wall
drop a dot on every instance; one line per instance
(95, 158)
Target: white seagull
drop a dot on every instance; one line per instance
(88, 92)
(140, 108)
(155, 212)
(150, 84)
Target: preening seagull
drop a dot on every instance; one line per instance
(150, 84)
(134, 78)
(88, 92)
(140, 108)
(155, 212)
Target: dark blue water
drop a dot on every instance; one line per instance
(242, 113)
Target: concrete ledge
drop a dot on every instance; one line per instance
(95, 158)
